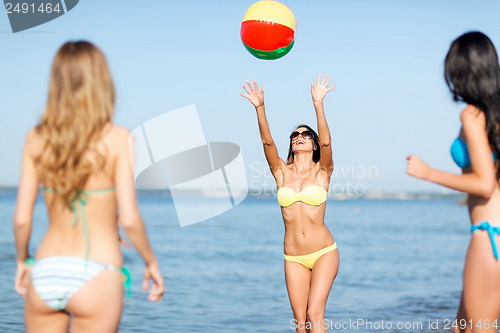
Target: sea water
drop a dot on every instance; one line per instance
(400, 268)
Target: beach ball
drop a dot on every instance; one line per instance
(268, 29)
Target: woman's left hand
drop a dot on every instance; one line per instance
(417, 168)
(22, 278)
(319, 91)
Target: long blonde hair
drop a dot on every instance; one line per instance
(80, 102)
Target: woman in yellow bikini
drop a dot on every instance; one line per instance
(82, 161)
(311, 255)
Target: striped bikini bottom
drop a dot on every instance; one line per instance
(57, 279)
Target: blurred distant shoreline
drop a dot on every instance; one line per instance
(369, 195)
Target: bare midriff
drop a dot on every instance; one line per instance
(483, 209)
(305, 230)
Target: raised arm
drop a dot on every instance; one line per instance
(318, 93)
(130, 217)
(256, 97)
(481, 180)
(23, 214)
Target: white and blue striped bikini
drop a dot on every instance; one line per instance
(57, 279)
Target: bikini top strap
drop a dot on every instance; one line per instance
(81, 200)
(77, 206)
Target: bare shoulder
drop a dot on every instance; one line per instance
(280, 173)
(326, 170)
(32, 136)
(116, 136)
(284, 168)
(33, 143)
(471, 115)
(119, 131)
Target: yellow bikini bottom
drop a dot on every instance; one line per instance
(308, 260)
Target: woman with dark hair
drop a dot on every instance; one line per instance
(311, 255)
(82, 161)
(472, 73)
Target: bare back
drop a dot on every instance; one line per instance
(99, 210)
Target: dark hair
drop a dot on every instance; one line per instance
(472, 73)
(315, 142)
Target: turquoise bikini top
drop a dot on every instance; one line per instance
(460, 153)
(77, 204)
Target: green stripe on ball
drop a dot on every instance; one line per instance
(270, 55)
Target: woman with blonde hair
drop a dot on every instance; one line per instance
(82, 161)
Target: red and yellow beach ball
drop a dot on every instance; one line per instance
(268, 29)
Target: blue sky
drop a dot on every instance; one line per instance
(386, 58)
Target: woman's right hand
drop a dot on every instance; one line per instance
(152, 272)
(417, 168)
(255, 96)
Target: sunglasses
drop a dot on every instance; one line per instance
(306, 135)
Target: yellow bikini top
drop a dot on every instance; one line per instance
(312, 195)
